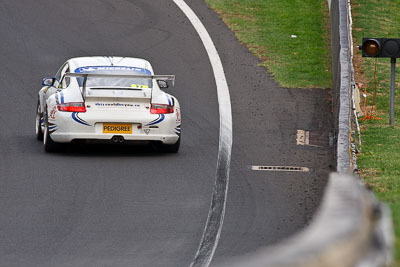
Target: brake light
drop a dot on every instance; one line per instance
(161, 109)
(72, 107)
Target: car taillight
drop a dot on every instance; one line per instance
(72, 107)
(161, 109)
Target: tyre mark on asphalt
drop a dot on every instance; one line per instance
(212, 231)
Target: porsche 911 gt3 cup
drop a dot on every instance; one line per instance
(110, 99)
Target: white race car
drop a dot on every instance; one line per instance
(109, 99)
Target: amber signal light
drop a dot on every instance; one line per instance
(371, 47)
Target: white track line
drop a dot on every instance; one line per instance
(216, 213)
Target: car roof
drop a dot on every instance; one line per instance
(109, 61)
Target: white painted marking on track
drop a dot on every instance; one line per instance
(225, 139)
(280, 168)
(303, 137)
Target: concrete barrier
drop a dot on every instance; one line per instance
(351, 228)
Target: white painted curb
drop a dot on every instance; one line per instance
(212, 231)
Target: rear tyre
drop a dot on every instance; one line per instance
(49, 144)
(171, 148)
(38, 122)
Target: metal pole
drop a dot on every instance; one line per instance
(392, 81)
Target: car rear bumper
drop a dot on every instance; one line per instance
(67, 127)
(69, 137)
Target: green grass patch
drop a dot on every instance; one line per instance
(379, 164)
(380, 158)
(266, 28)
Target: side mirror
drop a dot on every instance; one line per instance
(49, 81)
(162, 84)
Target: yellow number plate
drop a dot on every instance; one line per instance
(122, 128)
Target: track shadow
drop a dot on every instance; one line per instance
(108, 150)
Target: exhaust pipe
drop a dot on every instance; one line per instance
(117, 139)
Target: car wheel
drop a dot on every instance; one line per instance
(49, 144)
(171, 148)
(38, 122)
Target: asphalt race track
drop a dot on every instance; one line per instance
(131, 206)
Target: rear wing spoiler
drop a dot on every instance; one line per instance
(85, 76)
(99, 75)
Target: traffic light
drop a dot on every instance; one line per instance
(384, 47)
(381, 47)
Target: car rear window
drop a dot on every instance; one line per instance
(129, 82)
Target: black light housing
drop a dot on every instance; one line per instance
(381, 47)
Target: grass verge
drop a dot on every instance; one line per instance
(291, 37)
(379, 160)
